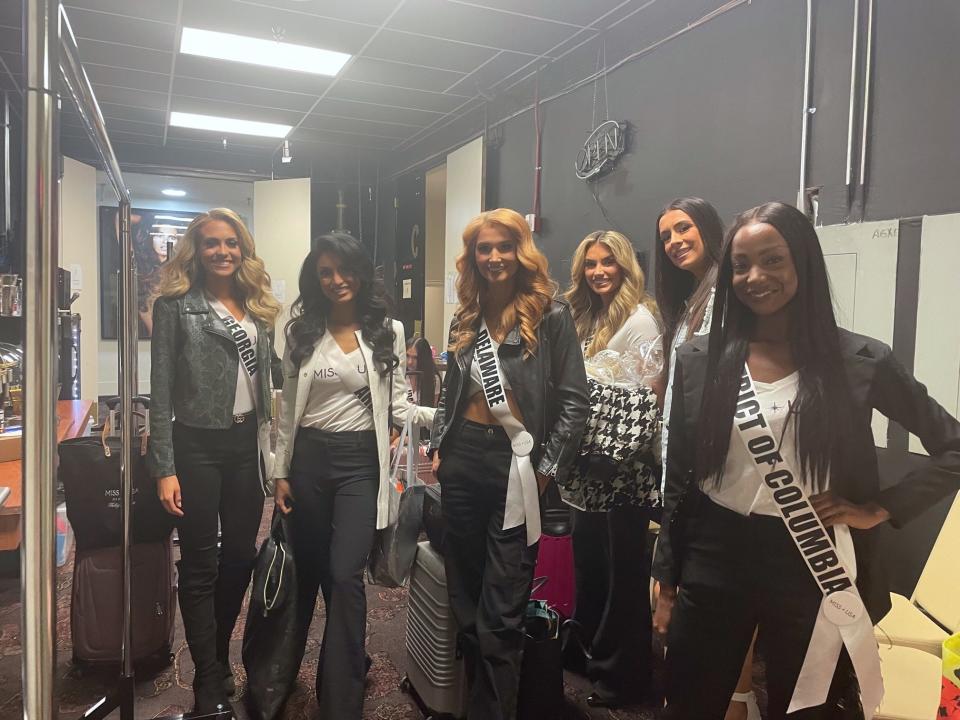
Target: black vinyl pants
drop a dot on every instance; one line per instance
(489, 570)
(613, 599)
(220, 488)
(741, 573)
(334, 478)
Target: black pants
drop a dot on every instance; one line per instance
(334, 478)
(741, 573)
(489, 570)
(220, 488)
(613, 599)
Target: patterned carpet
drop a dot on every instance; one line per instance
(167, 692)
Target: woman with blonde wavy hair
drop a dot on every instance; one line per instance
(212, 360)
(512, 410)
(612, 510)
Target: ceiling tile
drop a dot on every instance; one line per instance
(134, 98)
(123, 56)
(125, 77)
(576, 13)
(258, 97)
(192, 66)
(406, 76)
(210, 106)
(272, 23)
(316, 121)
(10, 14)
(161, 10)
(491, 73)
(371, 12)
(370, 111)
(112, 111)
(477, 25)
(10, 40)
(397, 97)
(390, 45)
(121, 29)
(13, 61)
(342, 138)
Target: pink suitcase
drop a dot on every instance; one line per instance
(555, 563)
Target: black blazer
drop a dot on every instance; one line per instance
(877, 381)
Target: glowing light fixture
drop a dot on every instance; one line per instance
(173, 192)
(257, 51)
(228, 125)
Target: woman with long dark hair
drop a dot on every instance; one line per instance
(511, 415)
(345, 373)
(212, 354)
(612, 509)
(772, 494)
(422, 374)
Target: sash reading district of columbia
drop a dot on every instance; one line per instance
(523, 495)
(842, 619)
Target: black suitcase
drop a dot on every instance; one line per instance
(96, 615)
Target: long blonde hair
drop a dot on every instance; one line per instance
(534, 288)
(586, 306)
(184, 271)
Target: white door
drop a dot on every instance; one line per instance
(862, 264)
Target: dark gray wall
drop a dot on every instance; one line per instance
(716, 112)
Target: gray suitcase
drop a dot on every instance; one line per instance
(435, 672)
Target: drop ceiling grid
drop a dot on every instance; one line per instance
(417, 64)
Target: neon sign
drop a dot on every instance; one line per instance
(602, 149)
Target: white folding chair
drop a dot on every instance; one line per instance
(933, 612)
(911, 683)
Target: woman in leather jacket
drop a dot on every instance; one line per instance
(212, 359)
(511, 415)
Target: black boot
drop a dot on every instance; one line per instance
(196, 593)
(232, 582)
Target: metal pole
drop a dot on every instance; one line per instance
(866, 111)
(40, 361)
(805, 125)
(851, 113)
(128, 388)
(7, 129)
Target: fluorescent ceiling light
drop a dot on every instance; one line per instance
(228, 125)
(172, 192)
(174, 227)
(256, 51)
(172, 217)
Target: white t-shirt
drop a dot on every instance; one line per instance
(640, 327)
(244, 333)
(741, 489)
(330, 405)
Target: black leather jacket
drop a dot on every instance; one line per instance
(193, 373)
(550, 388)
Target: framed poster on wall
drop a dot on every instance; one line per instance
(155, 234)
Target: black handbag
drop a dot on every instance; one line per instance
(541, 671)
(89, 471)
(273, 644)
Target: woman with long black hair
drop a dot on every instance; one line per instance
(772, 495)
(345, 374)
(511, 416)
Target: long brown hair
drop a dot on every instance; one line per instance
(184, 271)
(534, 288)
(587, 307)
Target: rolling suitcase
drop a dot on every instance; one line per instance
(435, 678)
(95, 604)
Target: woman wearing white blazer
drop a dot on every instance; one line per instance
(344, 366)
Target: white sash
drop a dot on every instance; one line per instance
(338, 361)
(843, 619)
(523, 494)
